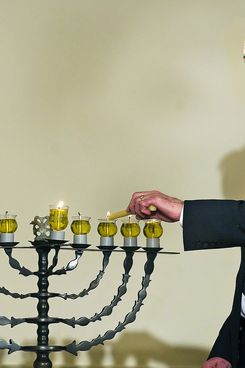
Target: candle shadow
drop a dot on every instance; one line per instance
(27, 358)
(2, 357)
(145, 349)
(97, 355)
(233, 174)
(68, 360)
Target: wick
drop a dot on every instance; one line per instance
(80, 216)
(129, 218)
(60, 205)
(6, 214)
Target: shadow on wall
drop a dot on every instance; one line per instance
(2, 357)
(68, 360)
(144, 348)
(233, 175)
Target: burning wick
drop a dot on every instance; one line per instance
(60, 204)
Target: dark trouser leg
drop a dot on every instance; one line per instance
(241, 362)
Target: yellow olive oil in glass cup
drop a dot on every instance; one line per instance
(80, 227)
(130, 229)
(107, 229)
(153, 231)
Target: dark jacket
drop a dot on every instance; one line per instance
(211, 224)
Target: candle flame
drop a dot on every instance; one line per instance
(108, 215)
(60, 204)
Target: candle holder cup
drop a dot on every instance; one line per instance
(80, 227)
(130, 230)
(58, 221)
(153, 231)
(8, 226)
(107, 229)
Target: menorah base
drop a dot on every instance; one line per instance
(42, 361)
(43, 349)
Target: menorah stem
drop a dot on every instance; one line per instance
(42, 360)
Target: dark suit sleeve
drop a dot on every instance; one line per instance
(223, 346)
(210, 224)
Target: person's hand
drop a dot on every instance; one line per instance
(216, 363)
(167, 208)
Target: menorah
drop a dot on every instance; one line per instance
(49, 236)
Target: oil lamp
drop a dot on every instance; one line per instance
(153, 231)
(130, 229)
(80, 227)
(107, 229)
(8, 226)
(58, 221)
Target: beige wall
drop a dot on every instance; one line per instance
(103, 98)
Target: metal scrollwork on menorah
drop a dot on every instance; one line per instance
(49, 235)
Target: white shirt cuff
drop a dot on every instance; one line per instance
(181, 216)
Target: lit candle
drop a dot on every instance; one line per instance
(107, 229)
(58, 221)
(80, 227)
(153, 231)
(8, 226)
(130, 230)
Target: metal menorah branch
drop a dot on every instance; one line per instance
(43, 320)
